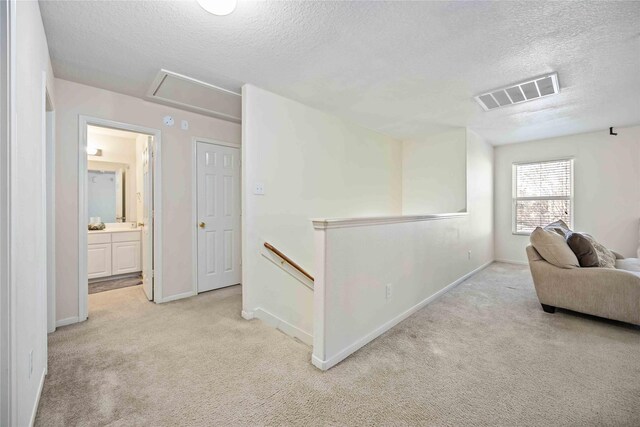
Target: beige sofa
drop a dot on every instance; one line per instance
(604, 292)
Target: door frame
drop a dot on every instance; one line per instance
(49, 185)
(8, 352)
(194, 201)
(83, 209)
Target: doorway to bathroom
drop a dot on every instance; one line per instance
(119, 206)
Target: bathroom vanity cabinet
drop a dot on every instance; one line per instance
(112, 253)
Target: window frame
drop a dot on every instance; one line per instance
(515, 198)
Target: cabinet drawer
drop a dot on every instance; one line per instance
(126, 236)
(94, 239)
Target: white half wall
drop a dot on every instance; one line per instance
(420, 258)
(28, 214)
(434, 173)
(76, 99)
(311, 164)
(606, 188)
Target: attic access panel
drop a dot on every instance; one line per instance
(195, 95)
(524, 91)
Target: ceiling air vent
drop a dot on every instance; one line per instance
(195, 95)
(520, 92)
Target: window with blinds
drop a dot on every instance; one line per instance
(542, 193)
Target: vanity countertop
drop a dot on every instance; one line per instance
(114, 230)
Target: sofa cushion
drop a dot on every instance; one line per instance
(559, 227)
(629, 264)
(553, 248)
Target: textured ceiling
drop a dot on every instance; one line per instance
(406, 69)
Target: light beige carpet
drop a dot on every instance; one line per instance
(484, 354)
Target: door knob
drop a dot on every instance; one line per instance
(202, 225)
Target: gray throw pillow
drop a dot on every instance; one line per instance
(584, 250)
(590, 252)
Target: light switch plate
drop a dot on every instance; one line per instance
(258, 189)
(184, 125)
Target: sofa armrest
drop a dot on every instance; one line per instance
(618, 256)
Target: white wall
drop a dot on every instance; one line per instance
(434, 174)
(418, 259)
(606, 188)
(75, 99)
(313, 165)
(114, 148)
(28, 211)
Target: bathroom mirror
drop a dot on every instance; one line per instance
(106, 192)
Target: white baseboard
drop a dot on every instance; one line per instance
(34, 412)
(177, 297)
(510, 261)
(247, 315)
(67, 321)
(274, 321)
(340, 356)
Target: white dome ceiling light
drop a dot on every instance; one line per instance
(218, 7)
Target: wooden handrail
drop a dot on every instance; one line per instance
(288, 260)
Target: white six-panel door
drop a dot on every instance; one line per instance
(218, 207)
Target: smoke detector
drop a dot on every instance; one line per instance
(528, 90)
